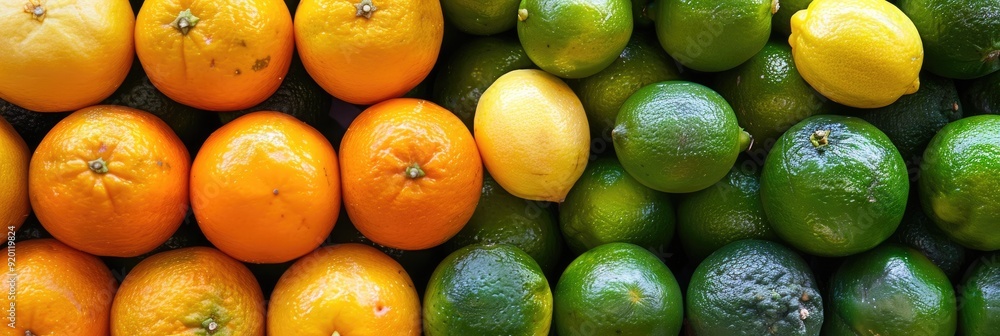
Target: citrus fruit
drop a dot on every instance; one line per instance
(692, 121)
(216, 55)
(607, 205)
(728, 211)
(860, 53)
(502, 218)
(111, 181)
(768, 94)
(574, 38)
(982, 96)
(913, 120)
(14, 156)
(979, 297)
(487, 290)
(266, 179)
(618, 289)
(919, 232)
(56, 290)
(959, 37)
(834, 186)
(754, 287)
(298, 96)
(781, 21)
(465, 74)
(345, 289)
(481, 17)
(365, 51)
(959, 178)
(891, 290)
(411, 172)
(188, 291)
(642, 62)
(534, 105)
(713, 35)
(64, 55)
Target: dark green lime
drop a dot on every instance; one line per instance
(919, 232)
(961, 38)
(979, 297)
(713, 35)
(982, 96)
(481, 17)
(781, 21)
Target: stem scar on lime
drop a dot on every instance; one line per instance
(820, 138)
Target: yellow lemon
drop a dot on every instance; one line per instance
(13, 177)
(532, 134)
(860, 53)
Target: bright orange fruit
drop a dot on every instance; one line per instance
(14, 155)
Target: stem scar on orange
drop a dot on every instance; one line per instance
(265, 188)
(111, 181)
(220, 55)
(367, 51)
(412, 174)
(64, 55)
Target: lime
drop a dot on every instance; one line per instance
(677, 136)
(607, 205)
(726, 212)
(574, 38)
(961, 38)
(642, 62)
(754, 287)
(713, 35)
(481, 17)
(768, 94)
(982, 96)
(781, 20)
(618, 289)
(487, 290)
(891, 290)
(979, 297)
(834, 186)
(960, 179)
(471, 69)
(502, 218)
(641, 12)
(919, 232)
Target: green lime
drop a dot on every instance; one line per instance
(768, 94)
(919, 232)
(298, 95)
(781, 20)
(481, 17)
(642, 62)
(502, 218)
(618, 289)
(642, 12)
(713, 35)
(834, 186)
(979, 297)
(754, 287)
(487, 290)
(471, 69)
(982, 96)
(607, 205)
(960, 181)
(677, 136)
(913, 120)
(890, 290)
(726, 212)
(574, 38)
(961, 38)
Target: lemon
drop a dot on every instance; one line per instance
(532, 134)
(860, 53)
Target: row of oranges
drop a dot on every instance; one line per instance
(215, 55)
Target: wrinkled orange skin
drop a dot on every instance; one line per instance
(233, 58)
(133, 208)
(60, 291)
(265, 188)
(351, 289)
(385, 204)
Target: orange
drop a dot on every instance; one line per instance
(59, 291)
(367, 51)
(219, 55)
(265, 188)
(188, 291)
(14, 157)
(63, 55)
(110, 180)
(411, 172)
(347, 289)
